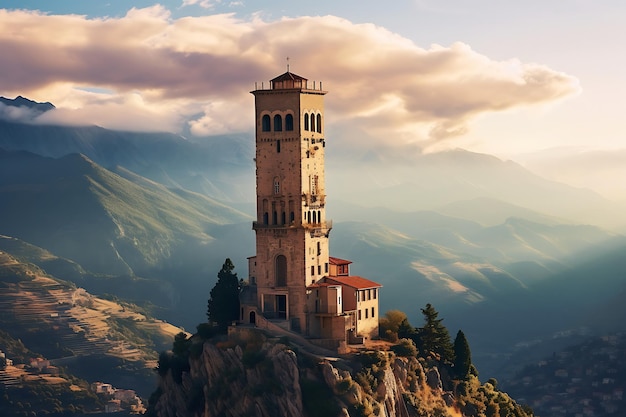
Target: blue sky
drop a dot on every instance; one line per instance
(540, 82)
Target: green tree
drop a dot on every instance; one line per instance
(462, 356)
(223, 306)
(434, 336)
(181, 344)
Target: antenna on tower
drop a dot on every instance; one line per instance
(287, 64)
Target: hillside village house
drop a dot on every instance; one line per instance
(294, 282)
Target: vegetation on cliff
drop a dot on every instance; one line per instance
(251, 373)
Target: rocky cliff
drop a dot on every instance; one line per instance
(247, 374)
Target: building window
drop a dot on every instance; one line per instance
(369, 294)
(312, 270)
(326, 267)
(289, 122)
(292, 217)
(277, 146)
(284, 218)
(372, 312)
(266, 218)
(359, 315)
(306, 121)
(366, 314)
(275, 217)
(314, 183)
(276, 185)
(319, 248)
(278, 123)
(375, 291)
(319, 270)
(358, 295)
(281, 271)
(319, 123)
(312, 122)
(265, 123)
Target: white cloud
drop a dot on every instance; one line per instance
(159, 71)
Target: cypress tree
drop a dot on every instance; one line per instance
(223, 305)
(462, 356)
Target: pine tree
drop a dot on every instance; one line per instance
(223, 305)
(434, 336)
(462, 356)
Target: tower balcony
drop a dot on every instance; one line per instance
(321, 226)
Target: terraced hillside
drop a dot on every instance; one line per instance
(72, 328)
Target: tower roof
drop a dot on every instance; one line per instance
(288, 76)
(288, 80)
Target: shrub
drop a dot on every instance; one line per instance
(405, 347)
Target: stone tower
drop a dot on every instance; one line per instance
(291, 226)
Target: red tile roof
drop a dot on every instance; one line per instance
(338, 261)
(354, 282)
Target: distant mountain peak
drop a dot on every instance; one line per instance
(21, 101)
(20, 109)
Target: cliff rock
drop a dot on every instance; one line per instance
(247, 374)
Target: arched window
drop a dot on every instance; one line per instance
(319, 216)
(281, 271)
(275, 218)
(308, 217)
(319, 123)
(276, 185)
(289, 122)
(314, 217)
(283, 218)
(265, 122)
(278, 123)
(292, 217)
(312, 122)
(306, 121)
(266, 218)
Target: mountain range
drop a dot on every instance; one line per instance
(150, 217)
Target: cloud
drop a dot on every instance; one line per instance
(160, 73)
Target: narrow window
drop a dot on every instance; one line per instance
(275, 218)
(289, 122)
(319, 248)
(266, 218)
(284, 218)
(276, 185)
(326, 267)
(366, 313)
(372, 312)
(292, 217)
(278, 123)
(369, 294)
(359, 314)
(265, 122)
(375, 291)
(306, 121)
(281, 271)
(277, 146)
(319, 123)
(319, 270)
(312, 270)
(314, 217)
(319, 216)
(312, 122)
